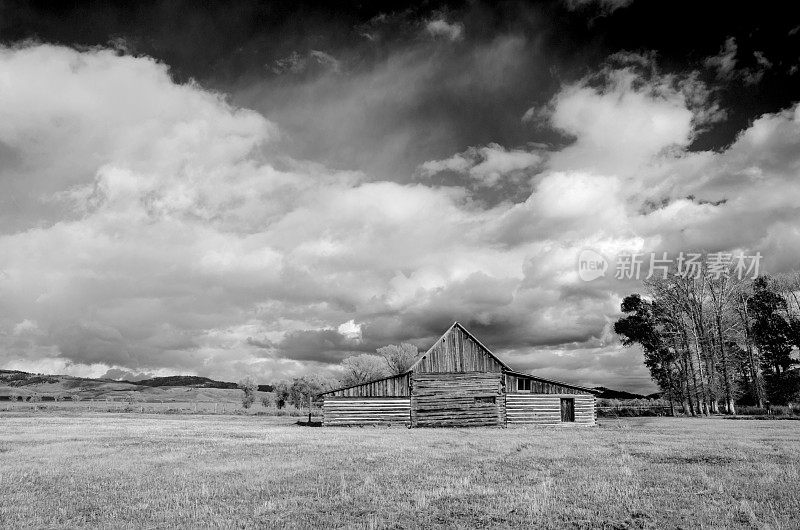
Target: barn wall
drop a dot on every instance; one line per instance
(541, 387)
(365, 411)
(546, 408)
(458, 352)
(455, 399)
(390, 387)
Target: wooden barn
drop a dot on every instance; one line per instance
(460, 382)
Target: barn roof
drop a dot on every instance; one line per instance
(458, 325)
(552, 381)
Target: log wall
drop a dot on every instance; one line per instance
(456, 351)
(456, 399)
(545, 409)
(365, 411)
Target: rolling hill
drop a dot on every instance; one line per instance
(166, 389)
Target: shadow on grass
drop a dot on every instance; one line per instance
(307, 423)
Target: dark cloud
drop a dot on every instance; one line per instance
(326, 345)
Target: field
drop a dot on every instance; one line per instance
(135, 470)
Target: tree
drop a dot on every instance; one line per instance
(722, 292)
(774, 337)
(282, 392)
(641, 327)
(754, 379)
(711, 337)
(266, 399)
(363, 368)
(399, 358)
(249, 387)
(304, 389)
(683, 300)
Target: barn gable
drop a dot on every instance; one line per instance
(458, 351)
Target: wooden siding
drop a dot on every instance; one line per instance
(388, 387)
(366, 411)
(539, 386)
(545, 409)
(456, 351)
(457, 399)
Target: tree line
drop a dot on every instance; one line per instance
(300, 392)
(715, 339)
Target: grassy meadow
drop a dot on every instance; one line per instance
(138, 470)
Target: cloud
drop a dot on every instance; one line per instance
(297, 63)
(725, 64)
(124, 375)
(762, 60)
(725, 61)
(440, 28)
(166, 231)
(607, 6)
(621, 127)
(487, 165)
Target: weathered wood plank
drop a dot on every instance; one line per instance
(546, 408)
(359, 411)
(456, 351)
(456, 398)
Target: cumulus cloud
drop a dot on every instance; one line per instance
(486, 165)
(439, 27)
(163, 232)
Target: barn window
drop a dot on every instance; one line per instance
(524, 385)
(484, 399)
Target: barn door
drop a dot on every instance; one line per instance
(567, 409)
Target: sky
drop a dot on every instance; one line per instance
(269, 188)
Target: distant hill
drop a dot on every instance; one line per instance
(192, 381)
(607, 393)
(183, 380)
(172, 388)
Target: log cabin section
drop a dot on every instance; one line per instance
(535, 400)
(459, 382)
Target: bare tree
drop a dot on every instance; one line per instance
(363, 368)
(400, 357)
(745, 330)
(722, 292)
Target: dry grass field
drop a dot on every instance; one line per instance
(194, 471)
